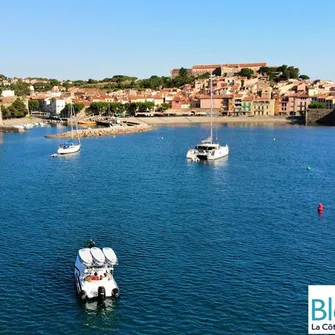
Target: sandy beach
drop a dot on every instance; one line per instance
(21, 121)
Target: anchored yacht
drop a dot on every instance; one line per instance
(208, 149)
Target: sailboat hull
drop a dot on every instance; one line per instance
(218, 153)
(208, 151)
(68, 149)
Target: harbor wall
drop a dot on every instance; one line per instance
(320, 116)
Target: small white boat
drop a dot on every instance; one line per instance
(28, 125)
(68, 148)
(94, 273)
(71, 146)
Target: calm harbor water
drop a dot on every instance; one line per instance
(222, 248)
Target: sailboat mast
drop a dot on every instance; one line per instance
(71, 118)
(211, 96)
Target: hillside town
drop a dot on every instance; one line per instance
(238, 90)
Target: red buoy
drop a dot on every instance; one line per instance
(320, 208)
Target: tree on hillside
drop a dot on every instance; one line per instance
(164, 106)
(130, 108)
(304, 77)
(77, 107)
(205, 75)
(183, 72)
(20, 88)
(17, 109)
(217, 72)
(285, 72)
(271, 72)
(246, 72)
(42, 87)
(293, 72)
(155, 82)
(67, 85)
(34, 105)
(54, 82)
(98, 107)
(5, 112)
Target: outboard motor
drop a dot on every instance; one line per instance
(83, 295)
(115, 292)
(101, 293)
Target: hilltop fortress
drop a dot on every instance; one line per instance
(226, 69)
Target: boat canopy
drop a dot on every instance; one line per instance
(110, 255)
(207, 146)
(85, 256)
(98, 256)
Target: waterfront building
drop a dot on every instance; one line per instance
(247, 105)
(179, 102)
(263, 106)
(205, 102)
(330, 102)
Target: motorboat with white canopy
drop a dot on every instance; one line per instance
(94, 273)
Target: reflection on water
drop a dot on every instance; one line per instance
(217, 162)
(98, 311)
(1, 138)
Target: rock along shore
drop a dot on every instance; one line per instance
(126, 128)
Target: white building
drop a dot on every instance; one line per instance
(56, 106)
(8, 93)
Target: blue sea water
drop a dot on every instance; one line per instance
(228, 247)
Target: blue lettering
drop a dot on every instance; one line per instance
(318, 309)
(330, 308)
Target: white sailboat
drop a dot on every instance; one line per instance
(73, 145)
(208, 149)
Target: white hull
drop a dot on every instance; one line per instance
(68, 149)
(208, 152)
(94, 280)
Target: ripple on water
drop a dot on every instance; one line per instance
(225, 248)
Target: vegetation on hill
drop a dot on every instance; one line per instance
(121, 82)
(118, 108)
(282, 73)
(34, 105)
(77, 107)
(16, 110)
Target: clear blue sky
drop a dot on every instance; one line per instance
(96, 39)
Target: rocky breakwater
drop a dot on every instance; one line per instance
(123, 128)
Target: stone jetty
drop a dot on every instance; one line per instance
(123, 128)
(11, 129)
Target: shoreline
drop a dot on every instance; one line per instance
(221, 119)
(176, 119)
(142, 124)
